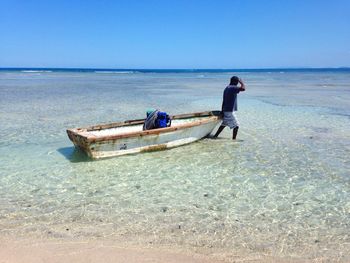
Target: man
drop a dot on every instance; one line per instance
(229, 105)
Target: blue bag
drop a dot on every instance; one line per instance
(163, 120)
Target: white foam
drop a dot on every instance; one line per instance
(36, 71)
(115, 72)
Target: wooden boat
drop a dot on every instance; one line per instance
(114, 139)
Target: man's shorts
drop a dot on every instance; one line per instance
(230, 120)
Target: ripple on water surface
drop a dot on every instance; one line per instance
(281, 189)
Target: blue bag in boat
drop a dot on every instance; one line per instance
(156, 119)
(163, 120)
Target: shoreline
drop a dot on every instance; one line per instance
(32, 250)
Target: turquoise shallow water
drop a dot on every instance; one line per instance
(282, 189)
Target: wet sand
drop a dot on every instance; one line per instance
(53, 251)
(50, 251)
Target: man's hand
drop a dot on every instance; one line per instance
(242, 84)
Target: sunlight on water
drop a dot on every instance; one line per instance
(282, 189)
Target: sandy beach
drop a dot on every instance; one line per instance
(33, 251)
(63, 251)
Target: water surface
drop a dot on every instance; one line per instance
(282, 189)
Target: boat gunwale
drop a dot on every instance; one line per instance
(212, 116)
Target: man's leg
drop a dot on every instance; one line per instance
(235, 125)
(234, 134)
(219, 131)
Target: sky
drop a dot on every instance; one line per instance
(174, 34)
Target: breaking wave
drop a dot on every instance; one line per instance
(36, 71)
(115, 72)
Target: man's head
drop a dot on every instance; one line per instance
(234, 80)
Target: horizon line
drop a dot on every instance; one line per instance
(108, 68)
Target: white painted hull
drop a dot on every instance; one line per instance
(104, 142)
(151, 142)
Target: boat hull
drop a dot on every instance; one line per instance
(146, 141)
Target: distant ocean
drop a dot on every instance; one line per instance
(109, 70)
(281, 190)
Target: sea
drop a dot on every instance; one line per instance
(282, 189)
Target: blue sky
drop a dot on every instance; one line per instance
(174, 34)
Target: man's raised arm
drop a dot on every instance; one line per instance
(242, 87)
